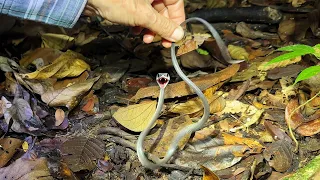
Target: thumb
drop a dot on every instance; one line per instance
(165, 27)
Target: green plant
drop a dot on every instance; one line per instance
(300, 50)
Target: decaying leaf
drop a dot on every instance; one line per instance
(68, 82)
(69, 96)
(81, 153)
(265, 67)
(24, 169)
(182, 89)
(159, 142)
(56, 41)
(8, 147)
(47, 55)
(136, 117)
(310, 128)
(69, 64)
(293, 115)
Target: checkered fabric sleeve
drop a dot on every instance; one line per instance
(63, 13)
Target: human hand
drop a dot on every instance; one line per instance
(160, 17)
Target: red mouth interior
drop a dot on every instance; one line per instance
(162, 81)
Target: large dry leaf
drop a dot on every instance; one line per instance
(159, 142)
(68, 82)
(180, 89)
(8, 147)
(254, 145)
(136, 117)
(208, 174)
(309, 128)
(34, 85)
(237, 52)
(56, 41)
(48, 55)
(69, 96)
(81, 153)
(69, 64)
(195, 104)
(24, 169)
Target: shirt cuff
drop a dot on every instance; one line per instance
(63, 13)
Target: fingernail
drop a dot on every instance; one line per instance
(177, 34)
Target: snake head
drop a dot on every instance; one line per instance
(163, 79)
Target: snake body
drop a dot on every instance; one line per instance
(206, 108)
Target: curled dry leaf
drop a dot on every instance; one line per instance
(8, 147)
(237, 52)
(264, 67)
(81, 153)
(159, 142)
(69, 96)
(59, 115)
(69, 64)
(68, 82)
(136, 117)
(56, 41)
(24, 169)
(293, 116)
(202, 82)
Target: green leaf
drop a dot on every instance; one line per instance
(202, 51)
(286, 56)
(307, 73)
(298, 48)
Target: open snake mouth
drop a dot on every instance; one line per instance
(163, 79)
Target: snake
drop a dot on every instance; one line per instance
(163, 80)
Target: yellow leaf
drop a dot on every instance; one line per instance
(66, 65)
(264, 67)
(69, 96)
(56, 41)
(238, 52)
(136, 117)
(208, 174)
(253, 144)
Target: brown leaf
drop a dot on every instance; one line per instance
(208, 174)
(81, 153)
(59, 115)
(190, 45)
(202, 82)
(136, 117)
(276, 132)
(309, 128)
(69, 96)
(24, 169)
(159, 142)
(68, 82)
(48, 55)
(8, 147)
(279, 155)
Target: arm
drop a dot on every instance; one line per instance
(63, 13)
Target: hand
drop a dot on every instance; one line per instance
(161, 17)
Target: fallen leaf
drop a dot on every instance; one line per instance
(68, 82)
(24, 169)
(189, 45)
(279, 155)
(208, 174)
(48, 55)
(310, 128)
(56, 41)
(81, 153)
(254, 145)
(293, 116)
(83, 38)
(136, 117)
(8, 147)
(264, 67)
(69, 96)
(182, 89)
(158, 143)
(59, 115)
(237, 52)
(69, 64)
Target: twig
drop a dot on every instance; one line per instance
(118, 140)
(117, 132)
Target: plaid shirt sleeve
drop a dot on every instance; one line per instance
(63, 13)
